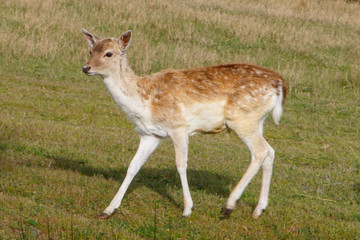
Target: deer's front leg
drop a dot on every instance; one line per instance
(147, 145)
(180, 140)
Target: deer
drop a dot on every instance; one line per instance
(181, 103)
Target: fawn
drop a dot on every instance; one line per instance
(182, 103)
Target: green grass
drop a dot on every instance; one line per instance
(65, 145)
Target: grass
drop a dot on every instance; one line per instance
(65, 146)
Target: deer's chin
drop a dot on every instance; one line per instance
(91, 73)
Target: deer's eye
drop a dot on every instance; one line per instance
(108, 54)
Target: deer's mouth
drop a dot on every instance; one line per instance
(87, 70)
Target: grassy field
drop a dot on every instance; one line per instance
(65, 145)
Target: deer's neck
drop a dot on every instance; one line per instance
(122, 78)
(124, 90)
(122, 85)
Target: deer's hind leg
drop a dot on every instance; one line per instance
(262, 155)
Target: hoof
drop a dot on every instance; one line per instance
(226, 212)
(187, 213)
(257, 214)
(103, 216)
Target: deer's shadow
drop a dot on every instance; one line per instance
(156, 179)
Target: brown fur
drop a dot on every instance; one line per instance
(231, 82)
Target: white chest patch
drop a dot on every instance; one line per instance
(137, 110)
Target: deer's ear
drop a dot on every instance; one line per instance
(92, 39)
(125, 40)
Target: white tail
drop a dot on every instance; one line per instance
(278, 109)
(181, 103)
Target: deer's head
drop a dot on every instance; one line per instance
(106, 53)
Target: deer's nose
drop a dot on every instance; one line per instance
(86, 69)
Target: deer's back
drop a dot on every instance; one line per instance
(207, 83)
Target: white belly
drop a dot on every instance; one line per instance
(205, 117)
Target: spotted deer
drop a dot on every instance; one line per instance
(182, 103)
